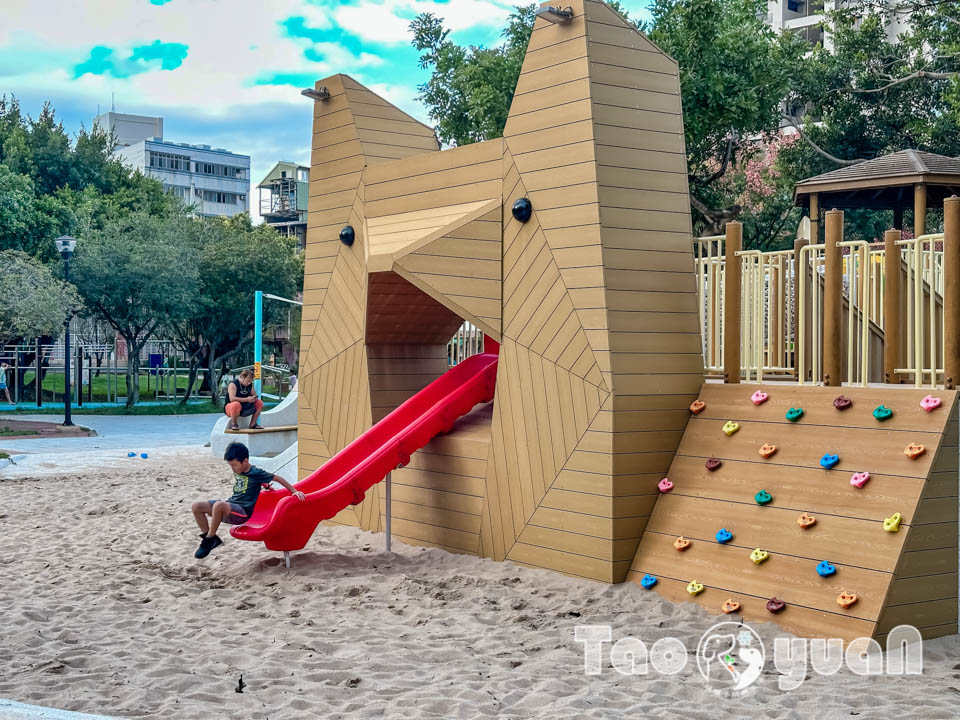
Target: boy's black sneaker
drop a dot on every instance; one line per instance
(206, 545)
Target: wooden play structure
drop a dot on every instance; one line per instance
(567, 242)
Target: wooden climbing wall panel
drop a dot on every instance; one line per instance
(905, 577)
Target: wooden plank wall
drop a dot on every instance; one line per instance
(909, 576)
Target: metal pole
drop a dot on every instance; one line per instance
(36, 379)
(67, 399)
(389, 503)
(257, 339)
(891, 306)
(79, 378)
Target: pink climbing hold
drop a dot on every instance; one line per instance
(759, 397)
(930, 403)
(665, 485)
(858, 480)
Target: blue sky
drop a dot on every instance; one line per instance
(227, 73)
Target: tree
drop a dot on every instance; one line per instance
(138, 274)
(35, 302)
(234, 260)
(735, 72)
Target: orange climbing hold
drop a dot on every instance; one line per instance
(697, 406)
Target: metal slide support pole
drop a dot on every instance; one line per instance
(257, 338)
(389, 486)
(286, 559)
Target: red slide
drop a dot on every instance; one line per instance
(284, 523)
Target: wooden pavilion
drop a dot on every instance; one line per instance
(891, 182)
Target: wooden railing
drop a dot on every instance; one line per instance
(837, 312)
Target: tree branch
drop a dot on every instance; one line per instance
(716, 219)
(923, 74)
(723, 167)
(819, 150)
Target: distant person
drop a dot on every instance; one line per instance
(248, 480)
(242, 401)
(3, 381)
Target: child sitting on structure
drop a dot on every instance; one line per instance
(242, 401)
(247, 483)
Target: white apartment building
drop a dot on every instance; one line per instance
(804, 16)
(214, 180)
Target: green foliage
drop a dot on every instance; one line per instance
(137, 274)
(234, 259)
(470, 88)
(34, 301)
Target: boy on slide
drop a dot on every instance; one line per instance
(247, 482)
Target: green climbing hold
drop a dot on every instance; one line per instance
(882, 412)
(763, 497)
(794, 414)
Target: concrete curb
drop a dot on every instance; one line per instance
(12, 710)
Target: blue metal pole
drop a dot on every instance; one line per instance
(257, 339)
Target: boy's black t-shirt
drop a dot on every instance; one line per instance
(246, 487)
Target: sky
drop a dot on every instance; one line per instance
(225, 73)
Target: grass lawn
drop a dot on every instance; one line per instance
(171, 408)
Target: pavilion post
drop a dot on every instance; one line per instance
(814, 218)
(919, 210)
(833, 299)
(799, 276)
(891, 305)
(898, 217)
(731, 303)
(951, 292)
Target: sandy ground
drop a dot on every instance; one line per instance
(103, 609)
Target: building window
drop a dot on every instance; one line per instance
(303, 175)
(222, 197)
(178, 191)
(227, 171)
(167, 161)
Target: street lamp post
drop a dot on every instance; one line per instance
(65, 246)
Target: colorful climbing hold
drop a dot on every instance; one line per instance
(892, 523)
(882, 412)
(648, 581)
(930, 403)
(758, 556)
(697, 406)
(681, 543)
(825, 569)
(859, 479)
(775, 605)
(724, 536)
(759, 397)
(763, 498)
(794, 414)
(914, 450)
(729, 606)
(695, 588)
(767, 450)
(829, 461)
(846, 599)
(842, 402)
(730, 427)
(712, 464)
(806, 520)
(665, 485)
(143, 455)
(131, 454)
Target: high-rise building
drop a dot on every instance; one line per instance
(283, 200)
(215, 181)
(804, 17)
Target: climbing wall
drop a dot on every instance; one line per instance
(908, 576)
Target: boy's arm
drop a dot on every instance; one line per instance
(293, 491)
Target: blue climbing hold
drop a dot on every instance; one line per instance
(647, 582)
(828, 461)
(143, 455)
(131, 454)
(724, 535)
(825, 569)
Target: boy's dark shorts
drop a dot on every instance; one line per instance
(236, 516)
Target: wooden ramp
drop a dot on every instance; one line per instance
(907, 577)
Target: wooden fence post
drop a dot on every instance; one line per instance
(833, 299)
(731, 303)
(891, 305)
(951, 292)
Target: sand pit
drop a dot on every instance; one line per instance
(105, 610)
